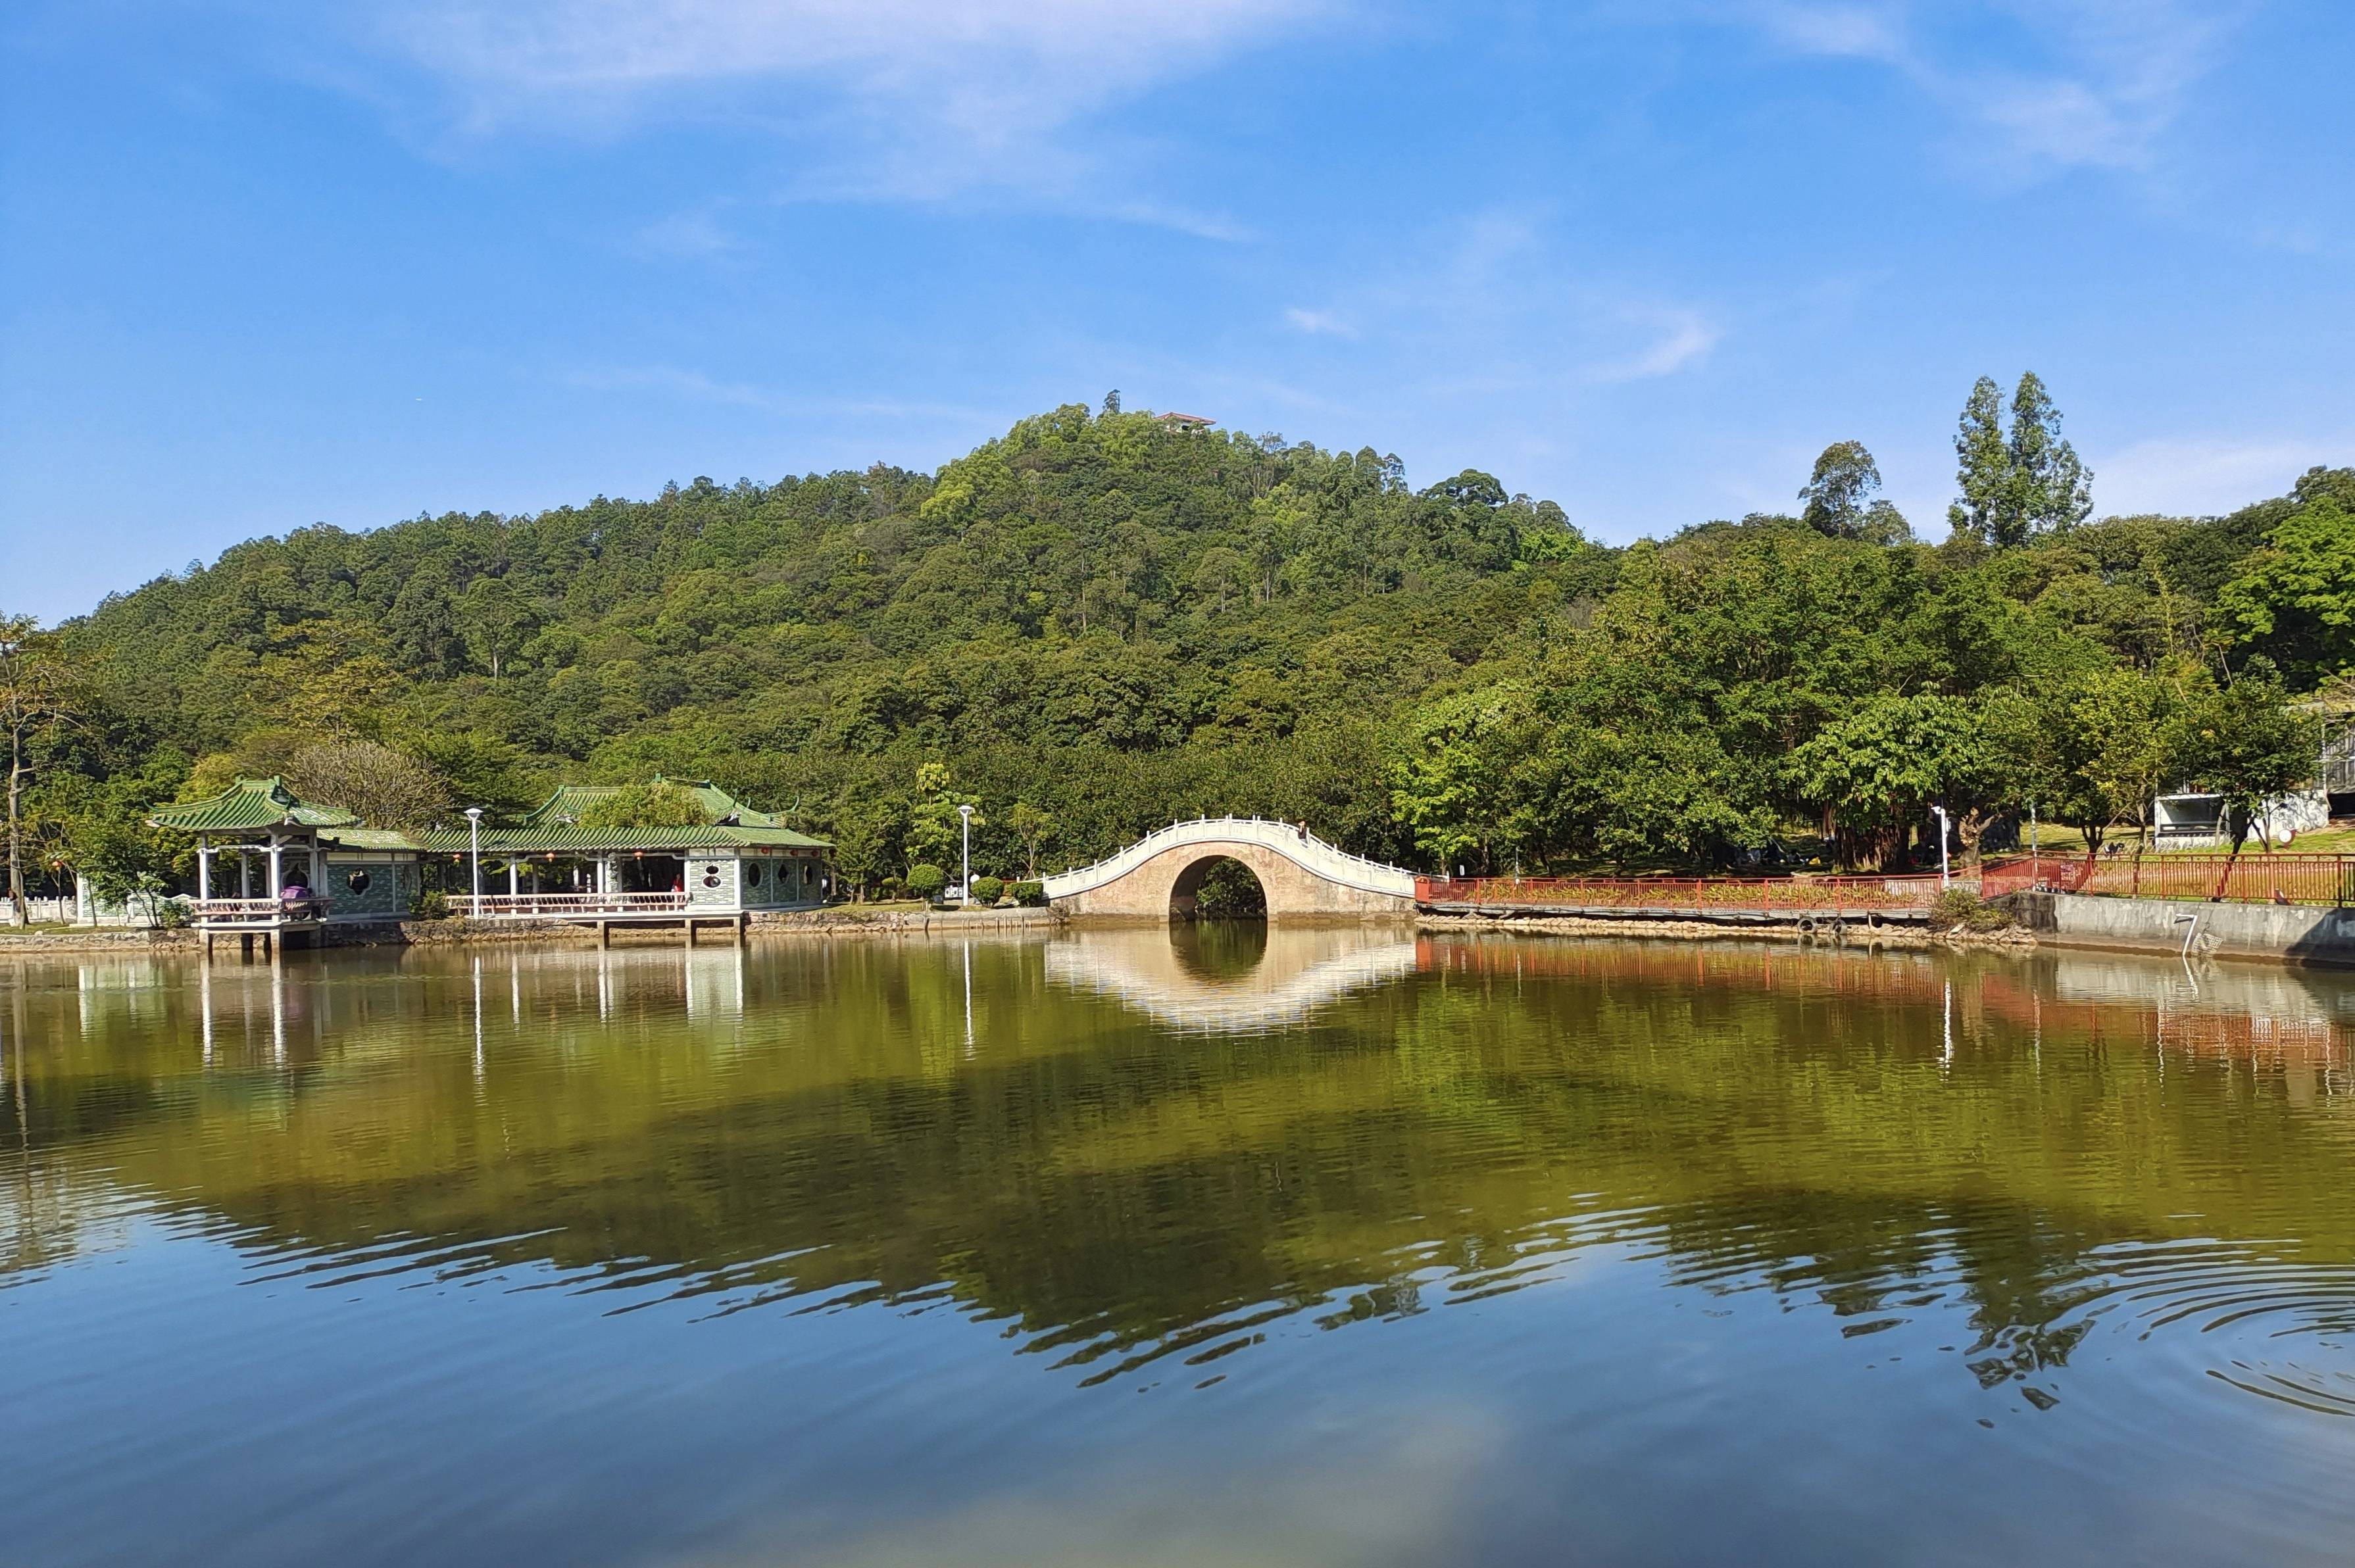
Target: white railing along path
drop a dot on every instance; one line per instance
(1303, 848)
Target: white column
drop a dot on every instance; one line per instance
(277, 868)
(244, 873)
(204, 869)
(515, 888)
(317, 869)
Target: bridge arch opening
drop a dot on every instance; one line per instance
(1218, 887)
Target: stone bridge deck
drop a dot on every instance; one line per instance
(1302, 875)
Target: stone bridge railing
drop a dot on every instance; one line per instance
(1303, 848)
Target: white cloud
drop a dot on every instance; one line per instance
(868, 100)
(2063, 83)
(2198, 477)
(1319, 323)
(1684, 338)
(992, 69)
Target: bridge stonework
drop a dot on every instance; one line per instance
(1303, 876)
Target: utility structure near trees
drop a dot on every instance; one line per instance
(303, 866)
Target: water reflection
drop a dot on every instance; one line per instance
(1180, 1160)
(1228, 976)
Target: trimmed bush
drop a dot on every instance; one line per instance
(1959, 910)
(430, 906)
(926, 882)
(1031, 895)
(988, 890)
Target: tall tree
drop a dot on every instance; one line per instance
(33, 704)
(1839, 498)
(2018, 484)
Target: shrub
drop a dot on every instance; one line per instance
(988, 890)
(1029, 894)
(430, 906)
(1958, 909)
(926, 882)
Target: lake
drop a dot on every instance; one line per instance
(1212, 1246)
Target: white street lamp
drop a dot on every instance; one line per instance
(475, 853)
(1942, 845)
(964, 888)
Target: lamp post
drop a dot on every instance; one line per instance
(475, 854)
(964, 888)
(1942, 845)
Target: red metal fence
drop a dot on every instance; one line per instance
(2250, 879)
(2245, 878)
(1799, 894)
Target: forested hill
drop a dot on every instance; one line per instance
(1114, 623)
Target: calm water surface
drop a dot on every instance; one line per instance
(1218, 1248)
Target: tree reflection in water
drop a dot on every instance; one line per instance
(1159, 1142)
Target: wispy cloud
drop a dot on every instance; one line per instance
(2061, 83)
(893, 99)
(1684, 338)
(1319, 323)
(1497, 292)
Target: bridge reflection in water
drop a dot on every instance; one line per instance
(1229, 978)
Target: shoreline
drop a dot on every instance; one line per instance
(2118, 929)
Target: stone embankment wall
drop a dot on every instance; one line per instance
(101, 939)
(1856, 935)
(2297, 934)
(841, 920)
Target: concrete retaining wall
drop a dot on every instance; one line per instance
(2297, 933)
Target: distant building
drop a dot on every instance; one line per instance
(1184, 421)
(2195, 820)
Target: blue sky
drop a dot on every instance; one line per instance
(265, 263)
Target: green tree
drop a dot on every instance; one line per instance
(2245, 742)
(2019, 484)
(1880, 766)
(1452, 774)
(1839, 498)
(34, 706)
(935, 827)
(1032, 828)
(2295, 599)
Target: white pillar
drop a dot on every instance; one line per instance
(244, 873)
(277, 867)
(204, 870)
(515, 888)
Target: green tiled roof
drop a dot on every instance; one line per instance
(368, 838)
(720, 809)
(249, 803)
(624, 840)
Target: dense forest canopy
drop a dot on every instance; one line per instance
(1101, 621)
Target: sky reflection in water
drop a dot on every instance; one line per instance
(1222, 1246)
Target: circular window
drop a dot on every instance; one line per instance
(357, 881)
(752, 873)
(710, 876)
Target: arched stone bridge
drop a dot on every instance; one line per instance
(1158, 876)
